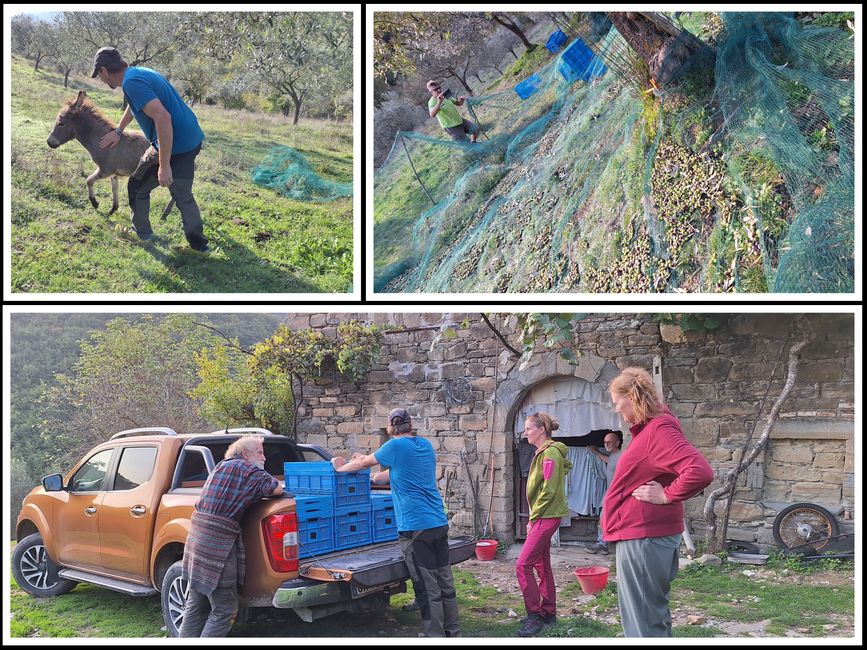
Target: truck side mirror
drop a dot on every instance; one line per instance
(53, 483)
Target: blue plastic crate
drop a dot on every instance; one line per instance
(528, 86)
(315, 524)
(384, 523)
(352, 526)
(555, 41)
(315, 536)
(346, 488)
(380, 499)
(579, 62)
(309, 506)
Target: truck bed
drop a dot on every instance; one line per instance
(375, 565)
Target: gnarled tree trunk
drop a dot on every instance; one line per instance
(717, 531)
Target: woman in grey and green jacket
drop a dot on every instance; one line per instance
(546, 494)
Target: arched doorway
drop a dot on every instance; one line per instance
(583, 409)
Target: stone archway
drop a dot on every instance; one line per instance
(510, 394)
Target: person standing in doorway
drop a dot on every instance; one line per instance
(613, 442)
(643, 508)
(409, 465)
(176, 139)
(546, 494)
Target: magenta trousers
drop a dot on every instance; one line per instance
(539, 598)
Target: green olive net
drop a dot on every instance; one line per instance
(736, 175)
(288, 172)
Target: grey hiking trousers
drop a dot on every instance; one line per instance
(645, 570)
(426, 553)
(143, 181)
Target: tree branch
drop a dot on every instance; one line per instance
(233, 344)
(500, 336)
(805, 330)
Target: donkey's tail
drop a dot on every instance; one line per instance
(168, 209)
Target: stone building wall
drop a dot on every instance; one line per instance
(464, 390)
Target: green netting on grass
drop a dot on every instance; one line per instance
(563, 190)
(287, 171)
(788, 91)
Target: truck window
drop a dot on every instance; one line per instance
(91, 475)
(136, 467)
(194, 472)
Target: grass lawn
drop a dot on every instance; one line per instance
(809, 600)
(262, 241)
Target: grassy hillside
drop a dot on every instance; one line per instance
(263, 242)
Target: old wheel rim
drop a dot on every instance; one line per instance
(35, 568)
(818, 527)
(177, 600)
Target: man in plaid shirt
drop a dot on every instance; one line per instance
(214, 558)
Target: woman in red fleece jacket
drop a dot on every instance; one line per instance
(643, 508)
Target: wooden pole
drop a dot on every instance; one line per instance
(415, 172)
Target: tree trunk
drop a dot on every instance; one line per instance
(663, 46)
(716, 541)
(508, 23)
(39, 57)
(66, 77)
(297, 112)
(512, 52)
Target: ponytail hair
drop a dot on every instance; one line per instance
(637, 385)
(545, 421)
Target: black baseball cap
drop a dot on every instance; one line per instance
(104, 56)
(399, 416)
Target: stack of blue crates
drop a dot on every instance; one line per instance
(579, 62)
(315, 513)
(557, 39)
(335, 510)
(384, 520)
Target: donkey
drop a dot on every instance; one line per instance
(81, 120)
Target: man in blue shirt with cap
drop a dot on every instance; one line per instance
(409, 464)
(175, 137)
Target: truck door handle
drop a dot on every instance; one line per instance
(90, 510)
(138, 511)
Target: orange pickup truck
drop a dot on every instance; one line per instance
(119, 519)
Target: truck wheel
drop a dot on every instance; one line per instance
(173, 597)
(35, 572)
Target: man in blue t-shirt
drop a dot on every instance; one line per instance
(175, 137)
(409, 464)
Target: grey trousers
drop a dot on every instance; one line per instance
(426, 553)
(645, 570)
(144, 181)
(213, 615)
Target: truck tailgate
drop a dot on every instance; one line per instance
(369, 566)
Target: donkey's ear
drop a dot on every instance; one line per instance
(80, 99)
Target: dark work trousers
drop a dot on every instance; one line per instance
(426, 553)
(213, 615)
(144, 180)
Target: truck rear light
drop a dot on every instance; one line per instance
(281, 540)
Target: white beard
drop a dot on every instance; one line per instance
(259, 463)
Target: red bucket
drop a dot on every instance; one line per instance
(592, 578)
(486, 549)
